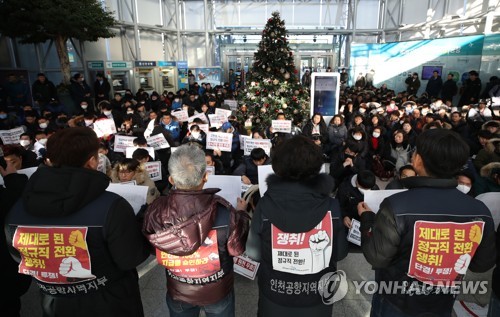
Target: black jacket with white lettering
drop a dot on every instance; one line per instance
(387, 237)
(295, 207)
(77, 197)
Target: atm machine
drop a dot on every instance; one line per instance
(168, 77)
(145, 76)
(120, 75)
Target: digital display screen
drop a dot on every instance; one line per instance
(428, 70)
(325, 91)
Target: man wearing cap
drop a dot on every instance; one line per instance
(471, 89)
(101, 88)
(399, 240)
(43, 90)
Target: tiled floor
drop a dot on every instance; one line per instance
(152, 283)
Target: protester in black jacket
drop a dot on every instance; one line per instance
(449, 89)
(432, 211)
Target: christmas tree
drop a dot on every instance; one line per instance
(272, 83)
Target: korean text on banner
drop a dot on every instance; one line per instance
(201, 116)
(242, 140)
(154, 170)
(55, 255)
(251, 144)
(233, 104)
(223, 112)
(219, 140)
(104, 127)
(216, 120)
(304, 252)
(283, 126)
(122, 142)
(442, 251)
(181, 115)
(158, 141)
(11, 136)
(245, 266)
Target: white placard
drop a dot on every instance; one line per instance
(264, 171)
(233, 104)
(210, 170)
(130, 151)
(242, 140)
(154, 170)
(11, 136)
(181, 115)
(122, 142)
(216, 120)
(283, 126)
(27, 171)
(230, 187)
(219, 140)
(245, 266)
(373, 198)
(202, 116)
(158, 141)
(354, 235)
(223, 112)
(251, 144)
(104, 127)
(135, 195)
(469, 309)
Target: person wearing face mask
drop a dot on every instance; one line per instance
(177, 103)
(107, 112)
(351, 192)
(465, 179)
(26, 141)
(346, 163)
(195, 135)
(43, 124)
(358, 135)
(377, 146)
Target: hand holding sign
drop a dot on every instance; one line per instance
(71, 267)
(76, 239)
(475, 234)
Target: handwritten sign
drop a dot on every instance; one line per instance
(104, 127)
(130, 151)
(219, 140)
(154, 170)
(251, 144)
(283, 126)
(122, 142)
(158, 141)
(181, 115)
(11, 136)
(203, 126)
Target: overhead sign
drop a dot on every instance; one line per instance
(145, 63)
(119, 64)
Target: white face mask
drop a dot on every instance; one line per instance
(24, 142)
(89, 122)
(463, 188)
(376, 134)
(362, 110)
(195, 134)
(84, 107)
(42, 141)
(176, 100)
(107, 113)
(130, 112)
(357, 137)
(43, 125)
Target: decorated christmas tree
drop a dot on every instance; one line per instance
(272, 85)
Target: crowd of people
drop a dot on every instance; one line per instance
(422, 143)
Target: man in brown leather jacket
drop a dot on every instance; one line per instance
(196, 233)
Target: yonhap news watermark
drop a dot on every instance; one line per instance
(334, 286)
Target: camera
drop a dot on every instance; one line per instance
(316, 137)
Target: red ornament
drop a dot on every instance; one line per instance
(295, 71)
(266, 105)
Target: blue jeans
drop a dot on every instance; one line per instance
(223, 308)
(381, 307)
(494, 307)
